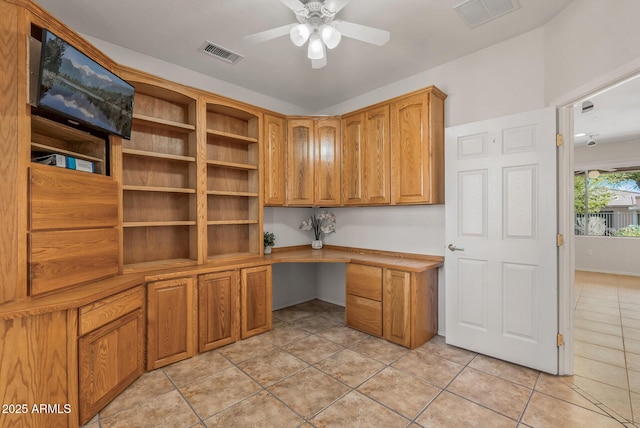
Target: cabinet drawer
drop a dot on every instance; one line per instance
(364, 281)
(106, 310)
(364, 314)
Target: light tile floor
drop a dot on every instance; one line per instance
(607, 340)
(311, 371)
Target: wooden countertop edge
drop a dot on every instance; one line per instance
(88, 293)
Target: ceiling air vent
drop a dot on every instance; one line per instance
(220, 53)
(478, 12)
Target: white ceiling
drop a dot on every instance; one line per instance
(424, 34)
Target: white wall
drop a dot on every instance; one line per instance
(607, 254)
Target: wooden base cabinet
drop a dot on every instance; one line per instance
(170, 321)
(218, 310)
(410, 302)
(364, 298)
(255, 300)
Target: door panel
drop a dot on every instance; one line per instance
(501, 282)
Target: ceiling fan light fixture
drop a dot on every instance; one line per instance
(316, 48)
(300, 34)
(330, 36)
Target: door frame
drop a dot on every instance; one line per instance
(565, 156)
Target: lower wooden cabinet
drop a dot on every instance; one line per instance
(218, 310)
(410, 307)
(110, 349)
(255, 300)
(171, 326)
(364, 298)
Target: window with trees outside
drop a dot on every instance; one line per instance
(607, 203)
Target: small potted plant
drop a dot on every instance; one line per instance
(269, 241)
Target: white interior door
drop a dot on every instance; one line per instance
(501, 223)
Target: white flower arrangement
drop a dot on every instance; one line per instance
(323, 223)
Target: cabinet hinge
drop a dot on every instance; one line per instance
(560, 339)
(559, 239)
(559, 140)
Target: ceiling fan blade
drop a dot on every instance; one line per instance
(335, 6)
(294, 5)
(273, 33)
(363, 33)
(319, 63)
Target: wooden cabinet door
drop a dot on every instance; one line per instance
(110, 359)
(327, 162)
(218, 310)
(255, 301)
(417, 148)
(396, 307)
(170, 321)
(377, 158)
(274, 160)
(300, 160)
(353, 159)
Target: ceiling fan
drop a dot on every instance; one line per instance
(317, 25)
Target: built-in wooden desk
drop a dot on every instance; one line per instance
(82, 346)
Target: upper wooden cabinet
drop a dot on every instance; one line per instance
(417, 148)
(313, 162)
(274, 159)
(366, 157)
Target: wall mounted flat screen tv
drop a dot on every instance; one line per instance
(76, 87)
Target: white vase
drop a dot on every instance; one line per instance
(267, 250)
(316, 244)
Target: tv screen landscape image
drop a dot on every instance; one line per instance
(77, 87)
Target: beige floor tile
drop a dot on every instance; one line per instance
(631, 333)
(545, 411)
(603, 354)
(429, 367)
(439, 347)
(628, 306)
(634, 381)
(600, 300)
(625, 313)
(595, 326)
(635, 404)
(617, 399)
(631, 345)
(291, 314)
(356, 410)
(505, 370)
(607, 340)
(599, 309)
(633, 361)
(344, 336)
(350, 367)
(595, 316)
(449, 410)
(270, 368)
(167, 410)
(630, 322)
(316, 323)
(149, 385)
(213, 393)
(261, 410)
(380, 350)
(497, 394)
(283, 335)
(246, 349)
(194, 368)
(309, 391)
(404, 393)
(557, 387)
(312, 349)
(601, 372)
